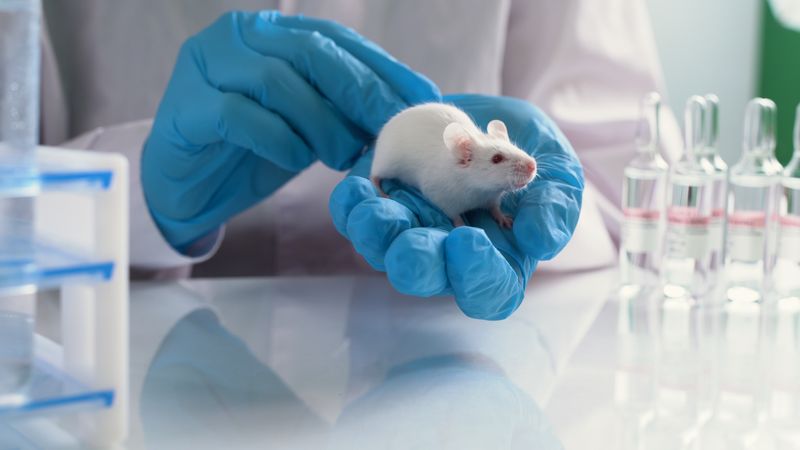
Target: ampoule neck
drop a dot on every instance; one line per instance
(693, 158)
(646, 151)
(757, 162)
(649, 158)
(711, 154)
(648, 135)
(793, 167)
(758, 145)
(707, 152)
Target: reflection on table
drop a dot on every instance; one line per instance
(699, 374)
(341, 363)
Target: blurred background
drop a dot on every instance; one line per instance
(737, 49)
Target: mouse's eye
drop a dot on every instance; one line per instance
(497, 158)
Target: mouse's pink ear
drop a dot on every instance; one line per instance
(497, 129)
(458, 140)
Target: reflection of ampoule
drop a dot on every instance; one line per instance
(710, 152)
(734, 422)
(674, 423)
(783, 402)
(786, 274)
(708, 326)
(642, 201)
(686, 265)
(751, 201)
(633, 379)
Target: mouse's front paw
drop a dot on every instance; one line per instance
(502, 219)
(505, 221)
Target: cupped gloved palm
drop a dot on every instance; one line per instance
(254, 99)
(485, 266)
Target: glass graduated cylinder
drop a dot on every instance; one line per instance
(642, 194)
(17, 314)
(19, 89)
(686, 264)
(19, 123)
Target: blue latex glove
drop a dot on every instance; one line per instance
(254, 99)
(485, 266)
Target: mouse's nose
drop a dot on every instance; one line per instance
(531, 167)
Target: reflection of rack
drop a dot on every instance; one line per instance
(81, 228)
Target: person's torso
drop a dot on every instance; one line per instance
(115, 59)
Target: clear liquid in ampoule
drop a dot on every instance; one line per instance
(709, 152)
(751, 206)
(642, 202)
(786, 274)
(685, 269)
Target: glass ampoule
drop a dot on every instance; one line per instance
(719, 186)
(643, 201)
(685, 269)
(751, 203)
(786, 273)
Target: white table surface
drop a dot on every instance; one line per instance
(346, 362)
(611, 392)
(581, 408)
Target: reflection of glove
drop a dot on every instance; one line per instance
(417, 403)
(254, 99)
(205, 374)
(484, 266)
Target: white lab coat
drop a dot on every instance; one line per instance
(584, 62)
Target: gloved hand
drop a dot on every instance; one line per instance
(484, 266)
(254, 99)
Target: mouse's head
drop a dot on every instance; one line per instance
(491, 159)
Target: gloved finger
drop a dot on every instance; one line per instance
(196, 215)
(549, 207)
(413, 87)
(241, 121)
(351, 191)
(415, 262)
(373, 224)
(357, 91)
(363, 165)
(483, 282)
(278, 87)
(546, 218)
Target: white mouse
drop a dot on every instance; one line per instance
(437, 149)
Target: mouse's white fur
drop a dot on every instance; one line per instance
(439, 150)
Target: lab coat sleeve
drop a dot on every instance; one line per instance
(148, 249)
(587, 64)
